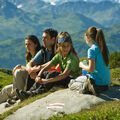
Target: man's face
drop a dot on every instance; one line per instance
(47, 42)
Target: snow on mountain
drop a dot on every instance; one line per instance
(117, 1)
(20, 6)
(59, 1)
(63, 1)
(52, 3)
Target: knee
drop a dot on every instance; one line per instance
(18, 72)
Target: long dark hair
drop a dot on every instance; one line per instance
(35, 40)
(96, 34)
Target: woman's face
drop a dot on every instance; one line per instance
(65, 48)
(30, 46)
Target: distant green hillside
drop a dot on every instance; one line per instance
(21, 26)
(5, 77)
(112, 36)
(14, 49)
(105, 13)
(71, 16)
(12, 53)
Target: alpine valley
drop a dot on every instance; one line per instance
(19, 18)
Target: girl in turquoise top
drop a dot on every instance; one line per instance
(98, 56)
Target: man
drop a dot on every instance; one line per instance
(43, 56)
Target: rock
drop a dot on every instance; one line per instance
(4, 109)
(63, 101)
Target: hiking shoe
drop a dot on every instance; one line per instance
(118, 79)
(18, 92)
(25, 94)
(85, 89)
(11, 101)
(15, 98)
(90, 87)
(7, 105)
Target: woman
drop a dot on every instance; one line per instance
(20, 73)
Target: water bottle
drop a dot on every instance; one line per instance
(84, 72)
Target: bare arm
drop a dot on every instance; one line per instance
(90, 67)
(45, 67)
(31, 64)
(32, 67)
(61, 76)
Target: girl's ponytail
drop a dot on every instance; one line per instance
(100, 40)
(96, 35)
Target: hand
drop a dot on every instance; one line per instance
(15, 68)
(29, 70)
(43, 81)
(33, 75)
(38, 79)
(81, 64)
(33, 69)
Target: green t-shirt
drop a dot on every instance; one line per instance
(71, 62)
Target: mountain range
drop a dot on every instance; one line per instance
(57, 2)
(19, 18)
(105, 12)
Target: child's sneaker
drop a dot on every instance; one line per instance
(7, 105)
(11, 101)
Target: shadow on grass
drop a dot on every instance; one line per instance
(113, 93)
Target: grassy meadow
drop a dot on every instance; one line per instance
(109, 110)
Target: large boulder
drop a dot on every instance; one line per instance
(60, 101)
(66, 101)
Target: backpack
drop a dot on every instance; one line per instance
(43, 49)
(83, 85)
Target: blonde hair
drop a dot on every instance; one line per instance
(96, 35)
(63, 35)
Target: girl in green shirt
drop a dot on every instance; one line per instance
(65, 57)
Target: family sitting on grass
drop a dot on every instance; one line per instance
(57, 64)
